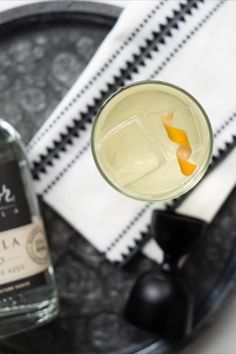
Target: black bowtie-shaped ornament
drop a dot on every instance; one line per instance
(160, 300)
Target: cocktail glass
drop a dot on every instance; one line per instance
(152, 141)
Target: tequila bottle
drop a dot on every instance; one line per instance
(28, 295)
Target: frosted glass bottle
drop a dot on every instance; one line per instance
(28, 295)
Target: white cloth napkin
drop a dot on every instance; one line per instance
(188, 43)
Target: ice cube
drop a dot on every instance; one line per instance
(129, 153)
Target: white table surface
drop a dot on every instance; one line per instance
(220, 337)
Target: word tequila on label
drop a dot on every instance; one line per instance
(28, 295)
(152, 141)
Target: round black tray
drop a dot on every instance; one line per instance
(43, 48)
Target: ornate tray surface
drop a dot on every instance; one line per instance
(37, 43)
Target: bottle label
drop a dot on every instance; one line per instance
(23, 246)
(23, 258)
(14, 208)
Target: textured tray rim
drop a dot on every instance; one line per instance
(92, 10)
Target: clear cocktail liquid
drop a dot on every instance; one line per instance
(132, 147)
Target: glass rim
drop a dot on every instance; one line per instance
(201, 170)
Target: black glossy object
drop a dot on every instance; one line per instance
(176, 234)
(160, 300)
(162, 303)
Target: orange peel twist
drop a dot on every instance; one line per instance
(184, 150)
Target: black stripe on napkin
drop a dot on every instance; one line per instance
(132, 66)
(75, 159)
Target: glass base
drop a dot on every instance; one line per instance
(17, 321)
